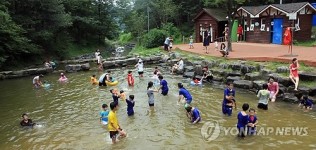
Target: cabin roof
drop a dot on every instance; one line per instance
(218, 14)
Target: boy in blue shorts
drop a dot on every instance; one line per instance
(252, 122)
(229, 100)
(104, 114)
(130, 105)
(242, 118)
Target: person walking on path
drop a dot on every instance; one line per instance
(167, 43)
(239, 33)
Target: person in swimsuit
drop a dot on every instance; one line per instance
(252, 122)
(294, 72)
(93, 80)
(26, 122)
(273, 88)
(242, 118)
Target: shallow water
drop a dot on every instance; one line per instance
(69, 117)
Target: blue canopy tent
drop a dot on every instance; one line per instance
(314, 17)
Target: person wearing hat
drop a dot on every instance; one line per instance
(184, 94)
(140, 68)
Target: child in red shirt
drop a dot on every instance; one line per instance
(130, 78)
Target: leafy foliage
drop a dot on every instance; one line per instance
(154, 38)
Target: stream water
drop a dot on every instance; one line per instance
(69, 115)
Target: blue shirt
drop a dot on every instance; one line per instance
(102, 77)
(185, 93)
(164, 85)
(195, 114)
(228, 92)
(242, 120)
(130, 105)
(104, 115)
(307, 103)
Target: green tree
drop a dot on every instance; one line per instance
(13, 44)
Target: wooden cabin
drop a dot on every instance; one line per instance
(266, 24)
(213, 20)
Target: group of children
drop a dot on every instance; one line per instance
(247, 122)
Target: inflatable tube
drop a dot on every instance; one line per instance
(62, 79)
(46, 85)
(192, 83)
(111, 83)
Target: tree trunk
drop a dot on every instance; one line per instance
(230, 23)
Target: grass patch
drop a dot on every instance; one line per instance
(308, 84)
(77, 50)
(310, 43)
(142, 51)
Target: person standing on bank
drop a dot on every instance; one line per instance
(167, 43)
(206, 41)
(239, 33)
(294, 72)
(226, 32)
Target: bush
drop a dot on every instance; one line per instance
(154, 38)
(172, 30)
(124, 38)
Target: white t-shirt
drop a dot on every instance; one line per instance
(181, 64)
(97, 54)
(99, 58)
(140, 67)
(36, 78)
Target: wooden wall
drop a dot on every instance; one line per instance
(205, 20)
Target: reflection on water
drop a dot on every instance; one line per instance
(69, 117)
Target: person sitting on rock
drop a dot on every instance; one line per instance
(178, 67)
(207, 74)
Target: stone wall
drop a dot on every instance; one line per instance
(247, 76)
(24, 73)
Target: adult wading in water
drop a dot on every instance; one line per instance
(104, 77)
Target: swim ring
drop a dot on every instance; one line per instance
(62, 79)
(111, 83)
(46, 85)
(192, 83)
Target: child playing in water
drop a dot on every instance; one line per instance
(242, 120)
(130, 78)
(306, 103)
(155, 78)
(195, 114)
(113, 125)
(104, 114)
(122, 95)
(140, 67)
(150, 94)
(62, 77)
(163, 86)
(26, 121)
(252, 122)
(94, 80)
(115, 95)
(191, 42)
(130, 105)
(264, 96)
(37, 82)
(157, 71)
(229, 100)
